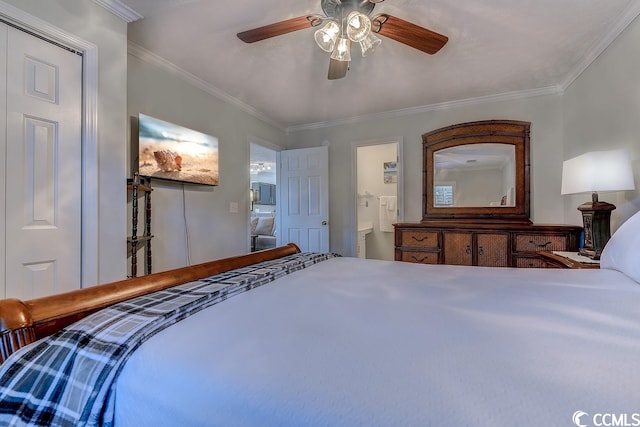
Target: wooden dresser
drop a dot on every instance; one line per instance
(476, 201)
(483, 244)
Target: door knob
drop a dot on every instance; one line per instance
(324, 222)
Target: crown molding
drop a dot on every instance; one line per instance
(120, 9)
(507, 96)
(153, 59)
(626, 18)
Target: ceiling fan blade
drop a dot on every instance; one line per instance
(410, 34)
(337, 69)
(279, 28)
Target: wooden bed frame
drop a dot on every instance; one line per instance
(23, 322)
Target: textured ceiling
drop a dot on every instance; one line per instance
(495, 47)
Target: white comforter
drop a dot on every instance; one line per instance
(352, 342)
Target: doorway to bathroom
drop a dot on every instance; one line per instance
(378, 175)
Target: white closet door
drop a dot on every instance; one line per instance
(43, 167)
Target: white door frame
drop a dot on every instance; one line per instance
(353, 239)
(37, 26)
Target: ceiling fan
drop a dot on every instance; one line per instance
(347, 21)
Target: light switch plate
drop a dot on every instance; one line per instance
(233, 207)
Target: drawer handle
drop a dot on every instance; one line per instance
(468, 250)
(419, 240)
(415, 258)
(542, 245)
(480, 250)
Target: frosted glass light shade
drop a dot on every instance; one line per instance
(369, 44)
(358, 26)
(326, 36)
(342, 52)
(597, 171)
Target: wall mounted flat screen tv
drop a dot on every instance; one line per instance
(172, 152)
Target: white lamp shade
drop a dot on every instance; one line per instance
(597, 171)
(326, 36)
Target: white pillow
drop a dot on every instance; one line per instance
(265, 226)
(622, 251)
(254, 224)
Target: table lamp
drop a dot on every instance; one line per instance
(590, 173)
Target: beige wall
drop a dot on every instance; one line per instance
(544, 113)
(203, 228)
(602, 111)
(599, 110)
(214, 232)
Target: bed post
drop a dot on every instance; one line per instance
(16, 327)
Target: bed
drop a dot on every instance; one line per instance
(289, 338)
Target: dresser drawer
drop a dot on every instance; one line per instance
(420, 257)
(532, 262)
(419, 239)
(540, 242)
(483, 244)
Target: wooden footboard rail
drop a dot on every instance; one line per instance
(23, 322)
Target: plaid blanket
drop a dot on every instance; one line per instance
(69, 378)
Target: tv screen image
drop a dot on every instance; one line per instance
(169, 151)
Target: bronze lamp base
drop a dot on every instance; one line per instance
(596, 219)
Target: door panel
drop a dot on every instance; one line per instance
(315, 195)
(293, 196)
(304, 207)
(40, 146)
(43, 166)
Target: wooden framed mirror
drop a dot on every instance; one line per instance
(477, 170)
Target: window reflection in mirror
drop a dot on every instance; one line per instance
(443, 194)
(475, 175)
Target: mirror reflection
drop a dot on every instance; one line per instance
(475, 175)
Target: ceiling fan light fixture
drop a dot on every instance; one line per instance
(342, 51)
(358, 26)
(369, 44)
(327, 36)
(351, 21)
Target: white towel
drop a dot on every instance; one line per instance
(391, 203)
(388, 213)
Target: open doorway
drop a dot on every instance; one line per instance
(378, 198)
(263, 206)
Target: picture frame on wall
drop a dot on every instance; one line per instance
(390, 172)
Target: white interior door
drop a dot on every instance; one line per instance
(304, 198)
(43, 167)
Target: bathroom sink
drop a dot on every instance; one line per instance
(365, 227)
